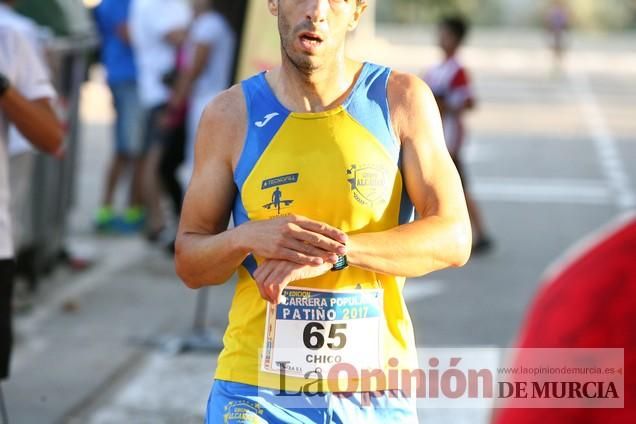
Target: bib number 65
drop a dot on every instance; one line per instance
(314, 339)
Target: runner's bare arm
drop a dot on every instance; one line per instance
(206, 252)
(441, 237)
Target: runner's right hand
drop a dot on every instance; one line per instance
(272, 276)
(294, 238)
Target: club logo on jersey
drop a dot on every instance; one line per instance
(278, 201)
(368, 184)
(244, 411)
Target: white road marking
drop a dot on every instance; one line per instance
(604, 141)
(417, 289)
(542, 190)
(477, 151)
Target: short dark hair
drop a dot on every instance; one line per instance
(457, 25)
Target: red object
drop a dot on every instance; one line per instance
(589, 303)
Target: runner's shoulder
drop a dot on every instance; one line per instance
(409, 96)
(405, 87)
(224, 119)
(227, 110)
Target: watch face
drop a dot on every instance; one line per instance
(341, 264)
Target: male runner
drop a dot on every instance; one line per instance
(353, 147)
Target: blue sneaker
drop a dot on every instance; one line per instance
(132, 221)
(105, 220)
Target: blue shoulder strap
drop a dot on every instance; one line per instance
(369, 106)
(265, 116)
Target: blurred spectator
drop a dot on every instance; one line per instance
(449, 81)
(557, 21)
(25, 95)
(20, 151)
(111, 17)
(204, 69)
(25, 26)
(209, 51)
(174, 144)
(157, 28)
(589, 301)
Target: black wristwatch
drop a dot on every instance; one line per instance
(341, 264)
(4, 84)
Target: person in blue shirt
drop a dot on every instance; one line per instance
(111, 17)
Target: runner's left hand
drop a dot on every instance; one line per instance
(273, 275)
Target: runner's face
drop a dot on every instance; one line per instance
(313, 32)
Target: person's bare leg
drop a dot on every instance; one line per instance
(481, 240)
(475, 216)
(137, 183)
(133, 217)
(152, 193)
(116, 170)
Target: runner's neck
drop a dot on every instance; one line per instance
(320, 91)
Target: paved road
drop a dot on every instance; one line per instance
(550, 159)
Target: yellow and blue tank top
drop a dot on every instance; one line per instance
(340, 166)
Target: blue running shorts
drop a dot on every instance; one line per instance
(236, 403)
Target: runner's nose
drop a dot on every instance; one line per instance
(317, 10)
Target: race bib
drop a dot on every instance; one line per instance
(315, 330)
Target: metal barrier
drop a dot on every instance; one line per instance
(52, 185)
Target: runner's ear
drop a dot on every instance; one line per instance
(272, 5)
(360, 7)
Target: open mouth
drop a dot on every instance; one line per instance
(310, 39)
